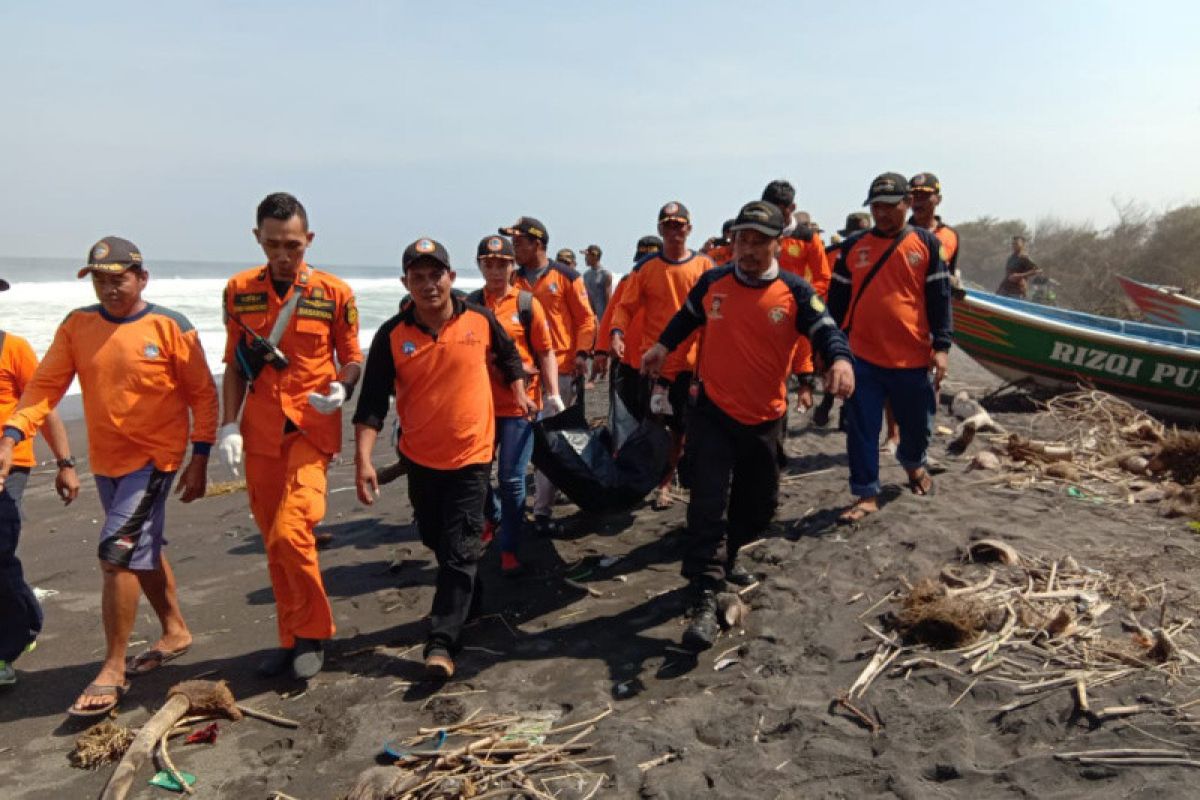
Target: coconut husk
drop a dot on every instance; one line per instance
(1179, 455)
(100, 745)
(929, 616)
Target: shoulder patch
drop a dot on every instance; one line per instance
(351, 311)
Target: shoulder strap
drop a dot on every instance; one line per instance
(525, 315)
(285, 316)
(871, 275)
(476, 297)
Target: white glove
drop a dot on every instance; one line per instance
(661, 404)
(229, 445)
(329, 402)
(552, 404)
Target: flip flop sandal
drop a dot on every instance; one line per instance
(152, 659)
(661, 502)
(914, 484)
(99, 690)
(855, 514)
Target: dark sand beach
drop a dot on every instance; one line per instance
(762, 727)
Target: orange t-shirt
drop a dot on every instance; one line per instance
(949, 239)
(633, 331)
(806, 259)
(17, 365)
(321, 336)
(892, 325)
(750, 334)
(658, 288)
(721, 254)
(563, 296)
(504, 308)
(140, 376)
(441, 383)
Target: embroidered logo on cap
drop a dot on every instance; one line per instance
(495, 245)
(424, 246)
(100, 251)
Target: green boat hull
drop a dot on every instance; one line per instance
(1064, 350)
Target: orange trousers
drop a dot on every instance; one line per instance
(287, 498)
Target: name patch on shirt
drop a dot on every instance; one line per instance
(248, 302)
(316, 308)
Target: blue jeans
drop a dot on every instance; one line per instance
(514, 447)
(910, 391)
(20, 614)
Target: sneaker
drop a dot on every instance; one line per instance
(276, 663)
(439, 666)
(738, 575)
(705, 626)
(509, 565)
(543, 525)
(489, 531)
(8, 675)
(309, 658)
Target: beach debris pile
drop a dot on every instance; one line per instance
(101, 744)
(1102, 442)
(488, 755)
(1034, 627)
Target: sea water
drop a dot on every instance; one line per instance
(45, 290)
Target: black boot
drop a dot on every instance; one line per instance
(737, 575)
(704, 626)
(276, 663)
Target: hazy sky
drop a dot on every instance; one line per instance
(167, 122)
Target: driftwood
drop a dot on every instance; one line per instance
(197, 697)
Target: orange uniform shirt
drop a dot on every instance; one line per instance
(721, 254)
(658, 288)
(751, 328)
(504, 309)
(140, 376)
(633, 331)
(17, 365)
(441, 383)
(949, 239)
(563, 296)
(321, 337)
(904, 313)
(805, 258)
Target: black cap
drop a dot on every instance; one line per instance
(925, 182)
(495, 246)
(725, 226)
(424, 248)
(649, 244)
(858, 221)
(3, 285)
(890, 188)
(528, 226)
(592, 248)
(780, 193)
(112, 255)
(762, 216)
(674, 211)
(565, 256)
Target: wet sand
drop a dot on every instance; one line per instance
(762, 727)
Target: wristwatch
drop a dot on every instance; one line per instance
(65, 463)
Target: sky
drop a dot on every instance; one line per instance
(166, 123)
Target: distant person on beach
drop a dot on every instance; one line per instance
(138, 430)
(523, 319)
(434, 358)
(752, 313)
(292, 358)
(626, 377)
(891, 295)
(658, 286)
(563, 296)
(855, 221)
(1017, 271)
(597, 279)
(21, 620)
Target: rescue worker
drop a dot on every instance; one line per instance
(292, 360)
(658, 287)
(433, 356)
(856, 221)
(891, 295)
(719, 249)
(137, 434)
(563, 296)
(523, 319)
(753, 314)
(626, 382)
(21, 621)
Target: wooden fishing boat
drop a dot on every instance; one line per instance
(1162, 305)
(1154, 367)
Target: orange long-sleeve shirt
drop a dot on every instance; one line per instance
(633, 331)
(506, 311)
(658, 288)
(563, 296)
(17, 365)
(321, 336)
(140, 377)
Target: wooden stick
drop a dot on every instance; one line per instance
(1142, 762)
(170, 765)
(1081, 694)
(282, 722)
(121, 780)
(654, 762)
(965, 692)
(871, 724)
(583, 724)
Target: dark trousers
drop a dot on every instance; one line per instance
(20, 613)
(448, 506)
(734, 466)
(910, 391)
